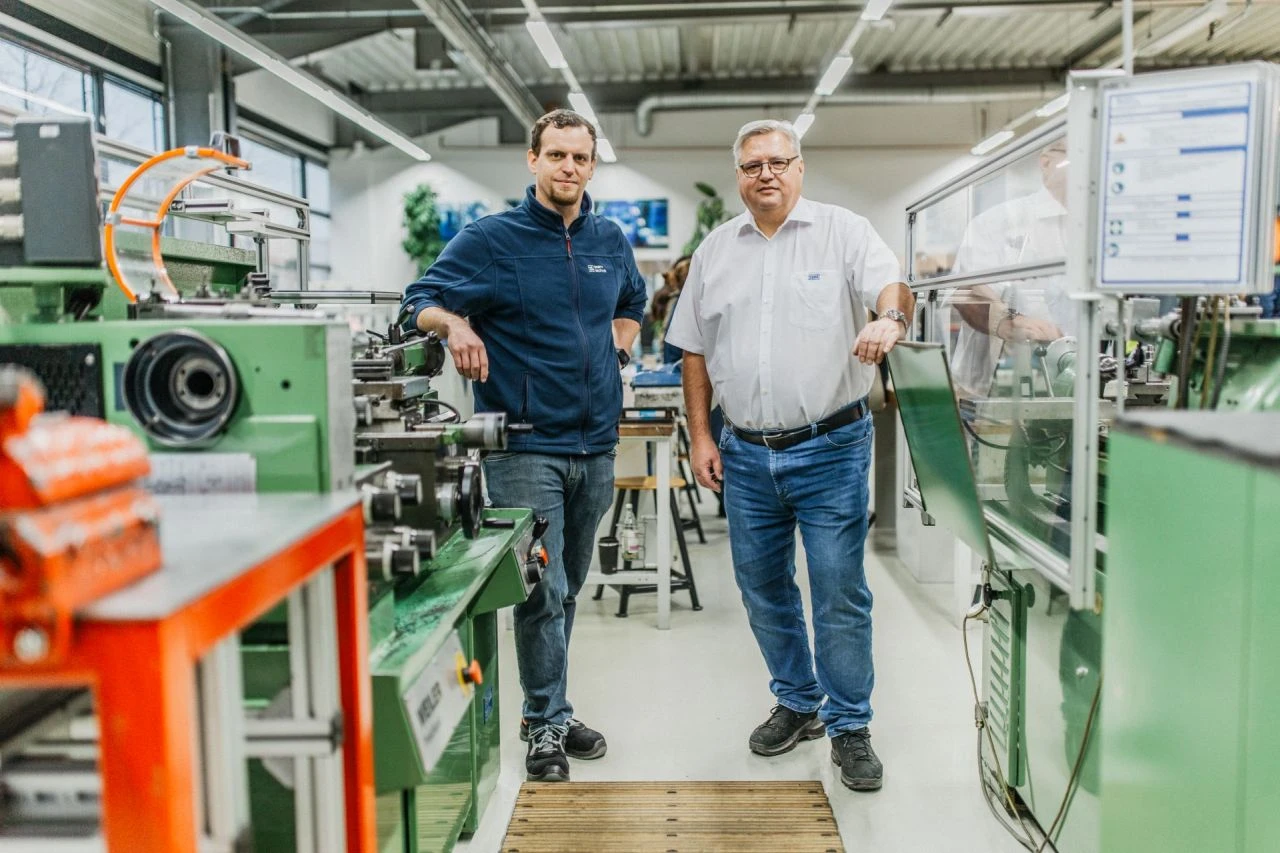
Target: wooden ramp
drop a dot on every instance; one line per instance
(672, 817)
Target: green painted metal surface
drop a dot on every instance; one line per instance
(1183, 589)
(424, 617)
(939, 451)
(1261, 831)
(1251, 382)
(283, 417)
(1061, 661)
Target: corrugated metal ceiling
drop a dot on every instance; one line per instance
(776, 47)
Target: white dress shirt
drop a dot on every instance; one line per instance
(1021, 230)
(776, 318)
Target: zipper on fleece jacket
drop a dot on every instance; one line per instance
(582, 336)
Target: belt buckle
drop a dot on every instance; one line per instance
(764, 436)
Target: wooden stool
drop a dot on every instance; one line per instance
(631, 487)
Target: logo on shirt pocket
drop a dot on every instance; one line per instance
(815, 299)
(597, 268)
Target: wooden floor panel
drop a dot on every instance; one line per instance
(672, 817)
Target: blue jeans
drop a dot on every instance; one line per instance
(821, 485)
(572, 493)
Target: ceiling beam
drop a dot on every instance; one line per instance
(303, 15)
(457, 25)
(625, 97)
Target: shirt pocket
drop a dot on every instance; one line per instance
(815, 299)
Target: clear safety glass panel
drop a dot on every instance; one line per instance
(1012, 355)
(940, 456)
(1013, 216)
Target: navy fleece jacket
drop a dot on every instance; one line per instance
(543, 299)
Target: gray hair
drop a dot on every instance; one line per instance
(760, 128)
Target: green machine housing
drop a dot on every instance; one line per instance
(261, 399)
(1176, 758)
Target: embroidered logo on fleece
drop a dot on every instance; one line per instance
(596, 268)
(815, 276)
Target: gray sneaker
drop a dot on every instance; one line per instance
(580, 741)
(783, 730)
(860, 769)
(546, 761)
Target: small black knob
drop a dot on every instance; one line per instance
(540, 525)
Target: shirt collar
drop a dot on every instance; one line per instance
(804, 211)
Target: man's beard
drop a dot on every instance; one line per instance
(564, 198)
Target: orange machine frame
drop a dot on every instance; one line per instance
(143, 677)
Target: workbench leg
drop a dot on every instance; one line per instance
(351, 596)
(146, 705)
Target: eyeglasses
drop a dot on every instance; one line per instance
(778, 166)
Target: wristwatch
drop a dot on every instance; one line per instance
(624, 358)
(895, 314)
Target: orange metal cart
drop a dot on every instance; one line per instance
(228, 560)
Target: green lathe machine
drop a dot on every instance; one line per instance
(239, 387)
(1092, 408)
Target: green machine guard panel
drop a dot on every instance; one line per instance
(939, 452)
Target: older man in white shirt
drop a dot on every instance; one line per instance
(773, 318)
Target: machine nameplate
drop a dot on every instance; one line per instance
(437, 701)
(202, 473)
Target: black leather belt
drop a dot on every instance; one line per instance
(782, 439)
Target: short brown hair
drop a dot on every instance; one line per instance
(561, 119)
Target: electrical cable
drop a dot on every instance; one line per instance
(1073, 781)
(980, 719)
(988, 790)
(457, 415)
(1210, 352)
(969, 429)
(1222, 358)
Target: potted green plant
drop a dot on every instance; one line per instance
(709, 214)
(422, 242)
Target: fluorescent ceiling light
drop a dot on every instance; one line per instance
(257, 53)
(1205, 15)
(604, 150)
(546, 42)
(991, 143)
(834, 74)
(875, 9)
(1055, 106)
(583, 107)
(803, 123)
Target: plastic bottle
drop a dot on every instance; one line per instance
(630, 539)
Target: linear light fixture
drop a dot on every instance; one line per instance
(604, 149)
(835, 72)
(875, 9)
(262, 56)
(1203, 17)
(1055, 106)
(580, 104)
(803, 123)
(991, 143)
(546, 42)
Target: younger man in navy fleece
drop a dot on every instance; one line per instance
(540, 306)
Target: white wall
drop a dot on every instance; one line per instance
(876, 180)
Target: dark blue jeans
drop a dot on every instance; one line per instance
(820, 485)
(572, 493)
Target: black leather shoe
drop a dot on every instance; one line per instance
(783, 730)
(860, 769)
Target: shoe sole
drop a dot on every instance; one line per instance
(595, 753)
(549, 776)
(812, 730)
(857, 784)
